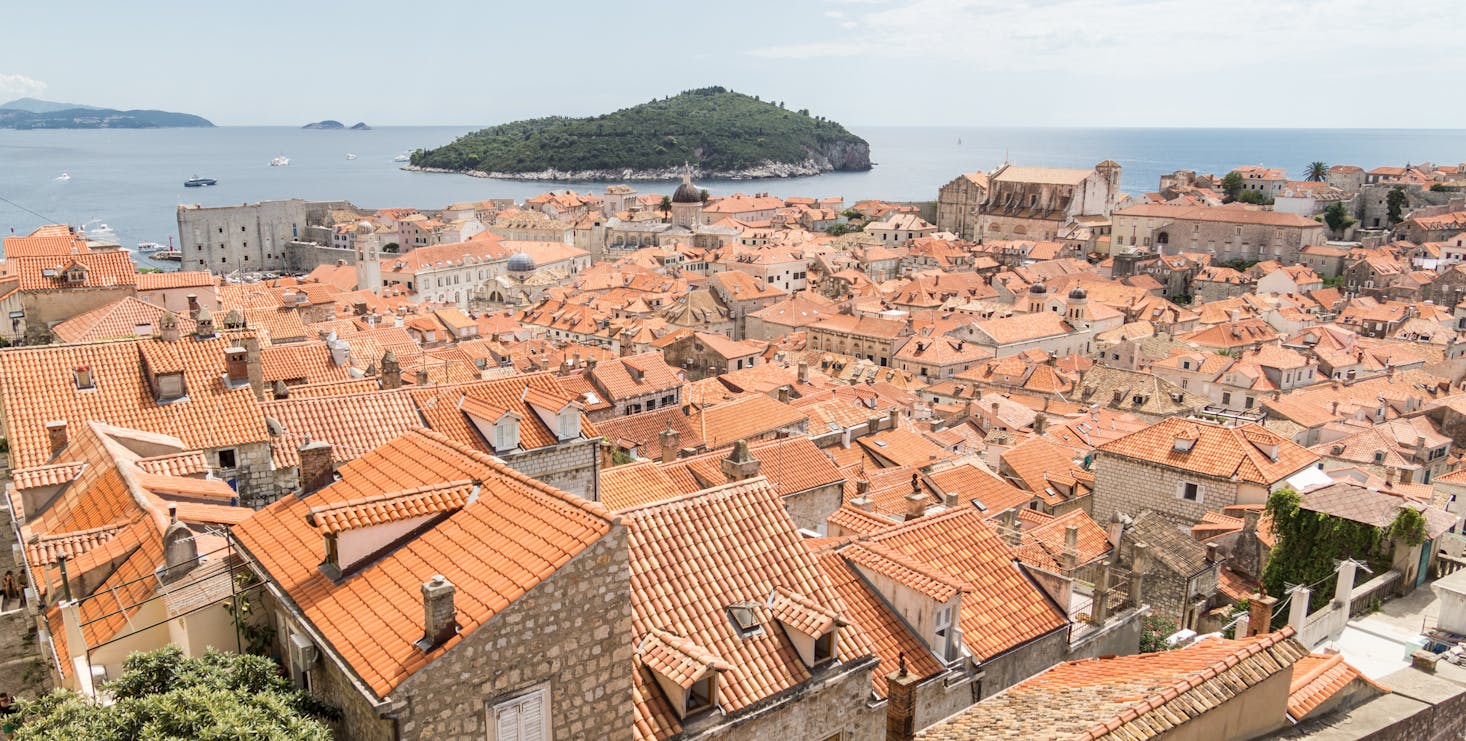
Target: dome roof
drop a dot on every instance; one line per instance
(1078, 294)
(521, 263)
(687, 192)
(1037, 288)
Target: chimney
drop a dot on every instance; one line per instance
(949, 500)
(670, 441)
(783, 394)
(1211, 553)
(391, 371)
(1010, 530)
(317, 467)
(439, 623)
(915, 505)
(422, 376)
(256, 368)
(901, 703)
(1071, 547)
(1039, 422)
(740, 464)
(56, 431)
(803, 374)
(236, 365)
(193, 305)
(1138, 557)
(281, 390)
(204, 324)
(168, 327)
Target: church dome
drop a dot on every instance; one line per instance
(1037, 289)
(1078, 294)
(521, 263)
(687, 192)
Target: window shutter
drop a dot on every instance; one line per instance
(506, 722)
(532, 718)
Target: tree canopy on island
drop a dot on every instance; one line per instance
(163, 694)
(712, 128)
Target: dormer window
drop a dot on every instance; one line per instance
(567, 423)
(82, 374)
(506, 433)
(76, 275)
(170, 386)
(811, 628)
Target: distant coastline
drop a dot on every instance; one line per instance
(767, 170)
(30, 113)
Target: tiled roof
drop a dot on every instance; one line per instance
(126, 317)
(635, 375)
(635, 484)
(39, 388)
(47, 549)
(676, 658)
(1219, 452)
(976, 487)
(1316, 678)
(496, 548)
(902, 447)
(871, 616)
(392, 506)
(1124, 697)
(721, 425)
(1372, 507)
(1011, 609)
(103, 270)
(692, 558)
(175, 279)
(643, 430)
(49, 475)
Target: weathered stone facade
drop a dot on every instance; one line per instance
(570, 466)
(249, 237)
(832, 704)
(810, 508)
(1131, 486)
(571, 634)
(959, 202)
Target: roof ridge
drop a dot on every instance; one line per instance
(389, 495)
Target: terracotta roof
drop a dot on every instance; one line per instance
(126, 317)
(635, 375)
(1316, 678)
(1124, 697)
(976, 487)
(901, 447)
(39, 388)
(721, 425)
(102, 270)
(1222, 214)
(352, 424)
(678, 659)
(175, 279)
(392, 506)
(495, 549)
(635, 484)
(1220, 452)
(870, 616)
(694, 557)
(1010, 609)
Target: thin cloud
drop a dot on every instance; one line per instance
(20, 85)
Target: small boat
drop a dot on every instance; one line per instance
(169, 255)
(63, 177)
(350, 156)
(198, 182)
(402, 158)
(281, 161)
(150, 247)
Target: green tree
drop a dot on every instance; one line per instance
(665, 206)
(1337, 217)
(1252, 196)
(391, 248)
(1317, 171)
(1408, 527)
(1154, 630)
(164, 695)
(1395, 204)
(1309, 546)
(703, 195)
(1231, 185)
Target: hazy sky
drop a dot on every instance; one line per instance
(1293, 63)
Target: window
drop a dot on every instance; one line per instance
(1190, 491)
(824, 647)
(228, 458)
(525, 718)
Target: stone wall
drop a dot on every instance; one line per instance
(46, 308)
(303, 257)
(833, 704)
(943, 697)
(1130, 486)
(569, 467)
(253, 475)
(572, 631)
(252, 237)
(810, 508)
(1010, 668)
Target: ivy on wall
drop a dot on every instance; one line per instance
(1310, 545)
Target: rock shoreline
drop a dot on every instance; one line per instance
(765, 171)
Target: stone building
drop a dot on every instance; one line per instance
(959, 203)
(1180, 572)
(1226, 232)
(460, 600)
(1184, 468)
(252, 237)
(1038, 202)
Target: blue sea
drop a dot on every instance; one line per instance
(132, 180)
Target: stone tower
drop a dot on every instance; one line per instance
(1037, 295)
(368, 259)
(1074, 307)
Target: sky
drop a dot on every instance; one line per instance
(1080, 63)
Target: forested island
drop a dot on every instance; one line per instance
(718, 132)
(29, 113)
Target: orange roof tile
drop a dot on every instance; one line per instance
(1221, 452)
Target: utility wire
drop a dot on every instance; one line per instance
(32, 213)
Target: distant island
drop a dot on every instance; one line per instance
(30, 113)
(330, 125)
(720, 133)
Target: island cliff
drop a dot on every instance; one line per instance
(719, 133)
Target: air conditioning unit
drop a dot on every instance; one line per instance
(302, 652)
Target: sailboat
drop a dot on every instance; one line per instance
(63, 177)
(280, 161)
(350, 156)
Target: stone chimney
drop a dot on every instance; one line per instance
(317, 467)
(236, 365)
(1211, 553)
(193, 305)
(740, 464)
(1138, 557)
(422, 376)
(439, 615)
(803, 373)
(391, 371)
(1260, 614)
(180, 549)
(256, 367)
(783, 394)
(1071, 547)
(670, 441)
(204, 323)
(281, 390)
(57, 434)
(168, 327)
(915, 505)
(901, 703)
(1040, 421)
(1010, 530)
(340, 351)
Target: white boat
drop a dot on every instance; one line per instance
(63, 177)
(350, 156)
(401, 158)
(101, 233)
(150, 247)
(280, 161)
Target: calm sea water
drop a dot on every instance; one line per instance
(133, 180)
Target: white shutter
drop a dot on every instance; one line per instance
(532, 718)
(506, 723)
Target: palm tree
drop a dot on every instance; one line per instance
(665, 207)
(1317, 171)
